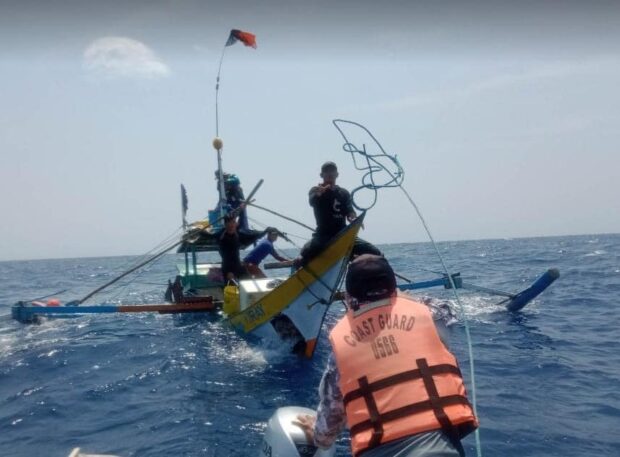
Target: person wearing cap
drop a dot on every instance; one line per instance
(233, 194)
(390, 377)
(333, 207)
(263, 249)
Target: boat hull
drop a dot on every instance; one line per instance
(294, 311)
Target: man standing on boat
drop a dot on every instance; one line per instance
(230, 241)
(263, 249)
(390, 378)
(234, 197)
(333, 207)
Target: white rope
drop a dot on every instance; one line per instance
(372, 166)
(463, 316)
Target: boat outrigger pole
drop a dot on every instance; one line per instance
(131, 270)
(514, 302)
(187, 236)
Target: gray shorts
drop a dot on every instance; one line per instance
(428, 444)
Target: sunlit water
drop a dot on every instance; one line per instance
(548, 378)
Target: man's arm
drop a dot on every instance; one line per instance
(348, 205)
(277, 256)
(330, 416)
(313, 195)
(316, 193)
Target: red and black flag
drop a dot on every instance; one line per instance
(246, 38)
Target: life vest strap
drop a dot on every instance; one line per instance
(399, 378)
(410, 410)
(375, 417)
(437, 406)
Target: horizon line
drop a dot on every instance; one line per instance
(379, 244)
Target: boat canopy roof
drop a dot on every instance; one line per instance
(207, 241)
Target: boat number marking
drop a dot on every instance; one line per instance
(254, 313)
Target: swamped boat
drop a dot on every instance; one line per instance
(283, 309)
(294, 309)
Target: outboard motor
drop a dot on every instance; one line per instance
(284, 439)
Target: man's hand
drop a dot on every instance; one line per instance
(306, 423)
(322, 188)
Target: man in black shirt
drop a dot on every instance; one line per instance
(229, 246)
(333, 207)
(331, 203)
(230, 241)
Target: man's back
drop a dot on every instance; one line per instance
(258, 254)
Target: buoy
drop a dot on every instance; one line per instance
(53, 302)
(218, 143)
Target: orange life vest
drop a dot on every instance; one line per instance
(396, 376)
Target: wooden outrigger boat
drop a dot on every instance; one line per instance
(282, 309)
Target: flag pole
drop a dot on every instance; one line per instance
(247, 39)
(217, 91)
(220, 172)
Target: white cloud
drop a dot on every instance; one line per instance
(120, 57)
(532, 72)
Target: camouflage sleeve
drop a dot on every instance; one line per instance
(443, 316)
(331, 418)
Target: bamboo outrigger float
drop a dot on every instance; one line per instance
(32, 312)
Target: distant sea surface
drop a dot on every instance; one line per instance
(548, 378)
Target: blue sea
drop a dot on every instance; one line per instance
(548, 378)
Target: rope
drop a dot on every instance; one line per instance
(281, 215)
(149, 259)
(117, 291)
(285, 237)
(374, 177)
(372, 168)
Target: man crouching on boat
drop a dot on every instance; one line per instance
(264, 248)
(229, 242)
(390, 378)
(333, 207)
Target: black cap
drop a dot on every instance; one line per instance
(328, 166)
(370, 277)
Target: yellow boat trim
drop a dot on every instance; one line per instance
(278, 299)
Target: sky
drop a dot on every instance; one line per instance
(503, 115)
